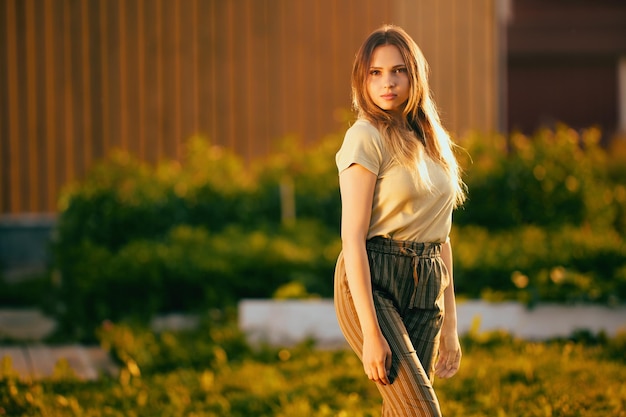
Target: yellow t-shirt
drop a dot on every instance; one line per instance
(401, 209)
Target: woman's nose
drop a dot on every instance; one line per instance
(389, 81)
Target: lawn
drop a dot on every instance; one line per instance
(212, 372)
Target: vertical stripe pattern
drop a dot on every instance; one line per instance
(81, 78)
(408, 281)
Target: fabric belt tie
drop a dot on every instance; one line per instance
(414, 261)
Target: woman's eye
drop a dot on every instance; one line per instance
(400, 70)
(374, 72)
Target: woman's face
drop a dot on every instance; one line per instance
(388, 80)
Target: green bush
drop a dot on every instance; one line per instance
(123, 199)
(552, 179)
(190, 269)
(313, 174)
(532, 264)
(26, 292)
(135, 240)
(545, 220)
(215, 342)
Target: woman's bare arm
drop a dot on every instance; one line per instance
(449, 348)
(357, 192)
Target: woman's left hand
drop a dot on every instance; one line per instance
(449, 355)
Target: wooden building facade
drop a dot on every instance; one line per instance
(566, 62)
(79, 78)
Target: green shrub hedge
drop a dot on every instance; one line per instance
(532, 264)
(552, 179)
(190, 269)
(545, 220)
(135, 240)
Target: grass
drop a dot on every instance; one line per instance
(212, 372)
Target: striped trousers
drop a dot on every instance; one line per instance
(408, 281)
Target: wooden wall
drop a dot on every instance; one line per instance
(563, 64)
(81, 77)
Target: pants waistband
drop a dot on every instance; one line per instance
(404, 247)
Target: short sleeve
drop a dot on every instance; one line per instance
(361, 145)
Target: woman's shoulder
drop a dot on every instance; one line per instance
(363, 129)
(363, 126)
(362, 145)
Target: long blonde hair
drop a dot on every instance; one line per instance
(420, 129)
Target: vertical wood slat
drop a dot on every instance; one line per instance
(168, 94)
(115, 83)
(129, 61)
(280, 58)
(208, 65)
(141, 89)
(84, 77)
(68, 98)
(14, 171)
(159, 80)
(195, 67)
(104, 76)
(87, 132)
(249, 82)
(4, 133)
(177, 81)
(51, 113)
(123, 83)
(227, 73)
(4, 199)
(31, 105)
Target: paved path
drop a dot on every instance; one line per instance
(31, 359)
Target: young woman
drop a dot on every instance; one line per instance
(399, 181)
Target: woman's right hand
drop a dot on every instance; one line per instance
(377, 358)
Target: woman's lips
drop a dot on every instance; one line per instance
(388, 96)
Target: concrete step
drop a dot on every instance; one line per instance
(40, 361)
(31, 359)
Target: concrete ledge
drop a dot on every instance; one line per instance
(25, 324)
(285, 323)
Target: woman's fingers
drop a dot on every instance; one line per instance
(379, 375)
(449, 356)
(380, 372)
(448, 364)
(377, 358)
(384, 375)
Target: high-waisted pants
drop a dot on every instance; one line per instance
(408, 281)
